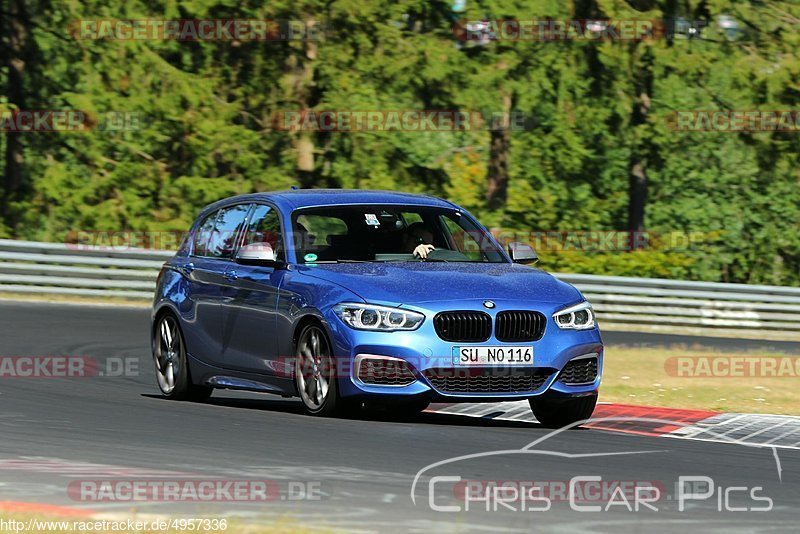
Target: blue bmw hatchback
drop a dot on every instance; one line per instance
(353, 298)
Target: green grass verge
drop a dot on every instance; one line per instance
(706, 380)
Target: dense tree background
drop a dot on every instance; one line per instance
(598, 153)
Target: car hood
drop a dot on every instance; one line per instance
(419, 282)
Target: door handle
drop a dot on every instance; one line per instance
(186, 268)
(231, 275)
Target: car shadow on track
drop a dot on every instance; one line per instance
(267, 403)
(432, 418)
(294, 406)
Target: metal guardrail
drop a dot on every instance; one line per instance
(62, 269)
(772, 311)
(660, 302)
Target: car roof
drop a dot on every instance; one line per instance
(293, 199)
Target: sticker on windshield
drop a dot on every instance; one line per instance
(310, 257)
(372, 219)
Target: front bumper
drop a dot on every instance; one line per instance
(426, 353)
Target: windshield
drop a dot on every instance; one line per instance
(377, 233)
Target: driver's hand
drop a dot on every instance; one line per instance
(422, 251)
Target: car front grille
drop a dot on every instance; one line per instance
(385, 372)
(486, 380)
(579, 371)
(463, 326)
(515, 326)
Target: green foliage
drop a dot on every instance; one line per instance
(207, 115)
(639, 263)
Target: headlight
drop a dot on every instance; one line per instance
(378, 318)
(578, 317)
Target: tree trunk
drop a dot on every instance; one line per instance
(15, 29)
(499, 147)
(304, 145)
(302, 82)
(637, 197)
(637, 169)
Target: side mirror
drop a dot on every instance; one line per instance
(522, 253)
(258, 254)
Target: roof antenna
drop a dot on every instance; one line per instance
(295, 188)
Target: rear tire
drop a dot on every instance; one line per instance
(172, 367)
(560, 413)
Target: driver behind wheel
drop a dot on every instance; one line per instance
(417, 240)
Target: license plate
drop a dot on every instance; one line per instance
(493, 355)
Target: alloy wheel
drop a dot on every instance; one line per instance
(313, 369)
(168, 354)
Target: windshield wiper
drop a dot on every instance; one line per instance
(337, 261)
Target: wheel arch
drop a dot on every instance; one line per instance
(160, 311)
(312, 317)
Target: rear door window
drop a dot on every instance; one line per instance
(228, 226)
(202, 234)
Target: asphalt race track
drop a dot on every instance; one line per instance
(350, 474)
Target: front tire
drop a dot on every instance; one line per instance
(560, 413)
(172, 367)
(315, 374)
